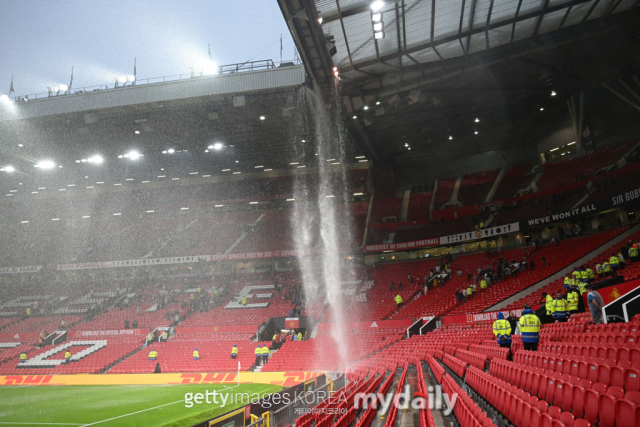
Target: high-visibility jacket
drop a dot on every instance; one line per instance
(584, 275)
(590, 273)
(164, 335)
(299, 336)
(483, 284)
(274, 337)
(258, 351)
(606, 267)
(560, 308)
(150, 337)
(265, 351)
(572, 301)
(67, 354)
(244, 300)
(196, 353)
(576, 274)
(549, 304)
(613, 260)
(581, 288)
(234, 350)
(62, 324)
(28, 312)
(620, 259)
(567, 281)
(469, 291)
(502, 329)
(199, 289)
(153, 354)
(598, 268)
(398, 299)
(530, 328)
(23, 356)
(633, 252)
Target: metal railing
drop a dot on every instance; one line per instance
(304, 404)
(264, 64)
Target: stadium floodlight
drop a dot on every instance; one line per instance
(4, 98)
(45, 164)
(217, 146)
(320, 20)
(133, 155)
(378, 35)
(96, 159)
(64, 88)
(377, 26)
(553, 93)
(8, 169)
(131, 78)
(354, 117)
(171, 150)
(475, 133)
(263, 118)
(56, 88)
(376, 17)
(359, 157)
(122, 79)
(137, 132)
(477, 120)
(377, 5)
(450, 137)
(541, 109)
(377, 102)
(366, 107)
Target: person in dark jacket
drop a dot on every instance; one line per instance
(157, 370)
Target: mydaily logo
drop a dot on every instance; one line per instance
(434, 399)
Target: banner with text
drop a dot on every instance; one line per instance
(110, 333)
(480, 317)
(187, 259)
(615, 201)
(402, 246)
(480, 234)
(16, 270)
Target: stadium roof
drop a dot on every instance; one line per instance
(443, 63)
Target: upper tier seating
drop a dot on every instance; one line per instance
(443, 192)
(383, 208)
(419, 204)
(574, 169)
(475, 186)
(513, 180)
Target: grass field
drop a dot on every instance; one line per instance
(161, 405)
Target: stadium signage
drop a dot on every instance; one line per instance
(15, 270)
(480, 317)
(404, 245)
(560, 216)
(106, 333)
(480, 234)
(135, 262)
(446, 240)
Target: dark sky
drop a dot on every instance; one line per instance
(41, 39)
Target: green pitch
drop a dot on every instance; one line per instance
(157, 405)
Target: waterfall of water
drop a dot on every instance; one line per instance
(325, 215)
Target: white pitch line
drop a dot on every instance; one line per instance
(133, 413)
(137, 412)
(39, 424)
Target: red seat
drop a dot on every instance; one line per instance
(607, 410)
(567, 419)
(591, 405)
(626, 412)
